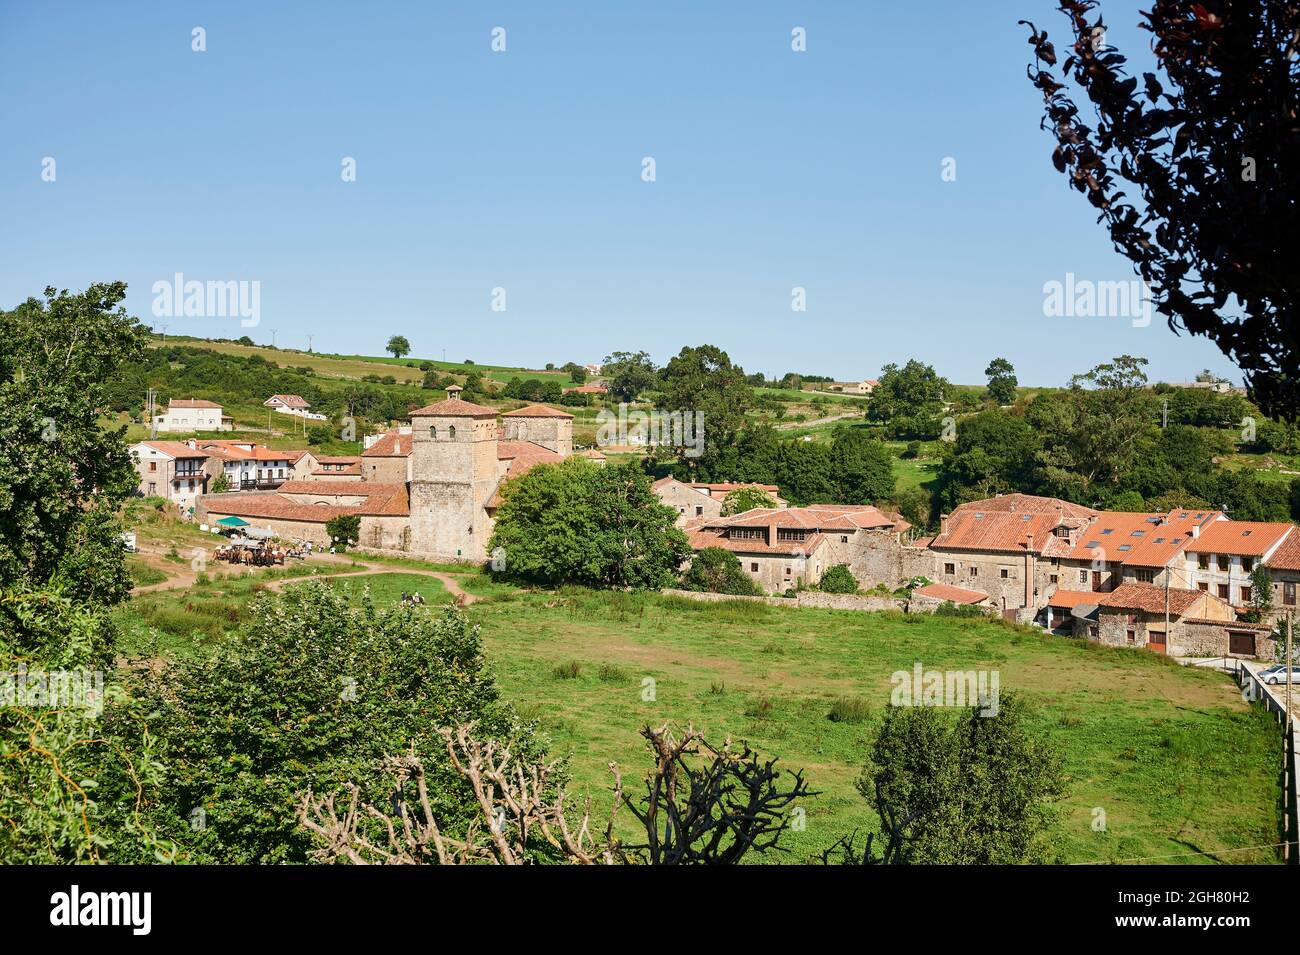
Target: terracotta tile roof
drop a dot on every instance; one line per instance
(1138, 539)
(1287, 557)
(297, 402)
(1002, 532)
(728, 486)
(191, 403)
(1069, 599)
(830, 517)
(1240, 538)
(1150, 599)
(176, 449)
(338, 459)
(594, 453)
(344, 471)
(393, 444)
(958, 595)
(1026, 503)
(393, 503)
(921, 542)
(523, 457)
(295, 456)
(536, 411)
(231, 451)
(454, 408)
(714, 537)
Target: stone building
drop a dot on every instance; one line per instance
(193, 414)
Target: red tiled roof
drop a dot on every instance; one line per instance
(958, 595)
(176, 449)
(536, 411)
(346, 470)
(728, 486)
(523, 457)
(1069, 599)
(454, 408)
(381, 500)
(1240, 538)
(1002, 532)
(831, 517)
(1287, 556)
(295, 456)
(191, 403)
(290, 401)
(1138, 539)
(1150, 599)
(393, 444)
(594, 453)
(711, 536)
(231, 451)
(1026, 503)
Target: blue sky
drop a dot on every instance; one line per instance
(522, 170)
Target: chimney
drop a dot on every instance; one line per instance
(1196, 531)
(943, 523)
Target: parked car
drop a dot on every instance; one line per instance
(1277, 674)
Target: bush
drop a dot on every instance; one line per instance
(343, 530)
(567, 671)
(717, 570)
(849, 709)
(838, 580)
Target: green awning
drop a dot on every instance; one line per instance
(233, 522)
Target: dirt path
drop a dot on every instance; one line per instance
(185, 579)
(792, 425)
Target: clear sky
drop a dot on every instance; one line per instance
(522, 170)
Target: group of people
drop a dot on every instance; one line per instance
(413, 599)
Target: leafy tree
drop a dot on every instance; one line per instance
(976, 790)
(745, 499)
(221, 483)
(1208, 151)
(575, 522)
(862, 468)
(1261, 593)
(398, 346)
(1002, 381)
(993, 452)
(703, 380)
(838, 580)
(344, 530)
(630, 373)
(63, 477)
(717, 570)
(249, 727)
(908, 400)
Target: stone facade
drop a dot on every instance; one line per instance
(688, 502)
(540, 425)
(454, 473)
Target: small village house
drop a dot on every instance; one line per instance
(193, 414)
(170, 469)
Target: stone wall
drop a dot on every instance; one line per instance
(688, 502)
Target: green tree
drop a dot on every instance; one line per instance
(250, 727)
(1002, 381)
(703, 381)
(1261, 593)
(220, 484)
(63, 477)
(977, 789)
(344, 530)
(908, 400)
(838, 580)
(862, 467)
(398, 346)
(717, 570)
(745, 499)
(575, 522)
(629, 373)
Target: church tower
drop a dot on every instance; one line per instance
(454, 471)
(547, 427)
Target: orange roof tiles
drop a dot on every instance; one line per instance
(1069, 599)
(177, 449)
(713, 536)
(1150, 598)
(957, 595)
(191, 403)
(1002, 532)
(454, 408)
(536, 411)
(393, 444)
(1027, 503)
(1287, 556)
(1240, 538)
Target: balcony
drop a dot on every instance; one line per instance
(261, 484)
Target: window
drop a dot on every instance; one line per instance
(1005, 573)
(950, 568)
(753, 568)
(1224, 561)
(1145, 575)
(1203, 561)
(1288, 593)
(844, 538)
(1083, 576)
(746, 533)
(1223, 591)
(1247, 564)
(1245, 595)
(699, 511)
(1203, 587)
(974, 571)
(787, 571)
(433, 433)
(153, 488)
(1132, 635)
(451, 432)
(1053, 579)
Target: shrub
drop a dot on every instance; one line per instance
(567, 671)
(849, 709)
(718, 571)
(838, 580)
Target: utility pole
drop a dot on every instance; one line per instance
(309, 338)
(273, 338)
(153, 426)
(1290, 614)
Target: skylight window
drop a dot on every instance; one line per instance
(1125, 546)
(1108, 530)
(1137, 534)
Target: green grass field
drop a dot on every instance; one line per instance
(1181, 767)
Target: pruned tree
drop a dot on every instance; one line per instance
(895, 845)
(1212, 153)
(703, 805)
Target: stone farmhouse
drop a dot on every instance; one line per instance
(786, 547)
(692, 501)
(193, 414)
(429, 490)
(171, 469)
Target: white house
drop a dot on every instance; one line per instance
(248, 466)
(170, 469)
(193, 414)
(295, 405)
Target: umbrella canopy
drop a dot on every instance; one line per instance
(233, 522)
